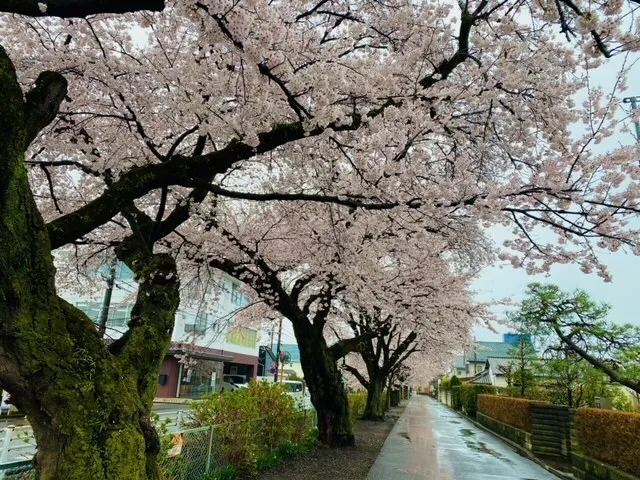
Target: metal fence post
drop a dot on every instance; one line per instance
(179, 418)
(210, 450)
(4, 453)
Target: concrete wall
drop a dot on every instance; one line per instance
(514, 434)
(585, 468)
(553, 434)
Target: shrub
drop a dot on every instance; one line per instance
(534, 393)
(512, 411)
(357, 403)
(611, 437)
(222, 473)
(469, 396)
(250, 423)
(445, 384)
(456, 400)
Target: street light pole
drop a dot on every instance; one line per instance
(634, 105)
(275, 376)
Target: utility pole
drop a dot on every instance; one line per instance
(106, 300)
(634, 105)
(273, 329)
(475, 356)
(275, 376)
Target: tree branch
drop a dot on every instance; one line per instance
(43, 101)
(600, 365)
(348, 345)
(356, 373)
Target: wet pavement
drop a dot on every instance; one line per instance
(430, 441)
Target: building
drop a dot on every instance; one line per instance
(267, 360)
(204, 346)
(488, 362)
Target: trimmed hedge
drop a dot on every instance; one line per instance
(610, 436)
(469, 396)
(512, 411)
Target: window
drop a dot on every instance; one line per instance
(236, 295)
(91, 310)
(124, 273)
(245, 337)
(118, 317)
(199, 325)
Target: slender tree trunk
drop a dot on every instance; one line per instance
(89, 405)
(375, 407)
(324, 379)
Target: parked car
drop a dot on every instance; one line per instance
(232, 382)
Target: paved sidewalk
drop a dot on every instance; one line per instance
(430, 441)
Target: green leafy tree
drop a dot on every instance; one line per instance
(524, 367)
(581, 325)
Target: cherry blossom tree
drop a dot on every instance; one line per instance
(421, 334)
(135, 127)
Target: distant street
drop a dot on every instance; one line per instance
(432, 442)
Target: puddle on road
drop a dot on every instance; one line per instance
(467, 432)
(482, 448)
(453, 421)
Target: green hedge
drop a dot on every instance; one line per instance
(469, 396)
(512, 411)
(357, 403)
(610, 436)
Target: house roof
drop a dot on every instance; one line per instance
(484, 350)
(499, 365)
(483, 378)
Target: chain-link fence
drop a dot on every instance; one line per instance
(191, 454)
(185, 454)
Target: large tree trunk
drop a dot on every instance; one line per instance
(375, 407)
(89, 405)
(324, 380)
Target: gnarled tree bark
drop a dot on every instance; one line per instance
(89, 405)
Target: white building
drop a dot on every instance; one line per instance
(204, 346)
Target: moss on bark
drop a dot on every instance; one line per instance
(375, 406)
(89, 406)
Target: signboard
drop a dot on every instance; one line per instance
(273, 370)
(177, 441)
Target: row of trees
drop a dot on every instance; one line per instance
(342, 159)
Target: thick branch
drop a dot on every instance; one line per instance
(43, 102)
(343, 347)
(356, 373)
(397, 354)
(179, 170)
(599, 364)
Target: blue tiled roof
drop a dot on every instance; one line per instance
(485, 350)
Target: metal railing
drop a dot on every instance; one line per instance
(22, 470)
(17, 442)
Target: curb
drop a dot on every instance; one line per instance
(523, 451)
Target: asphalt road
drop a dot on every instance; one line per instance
(429, 441)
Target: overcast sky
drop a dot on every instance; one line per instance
(623, 293)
